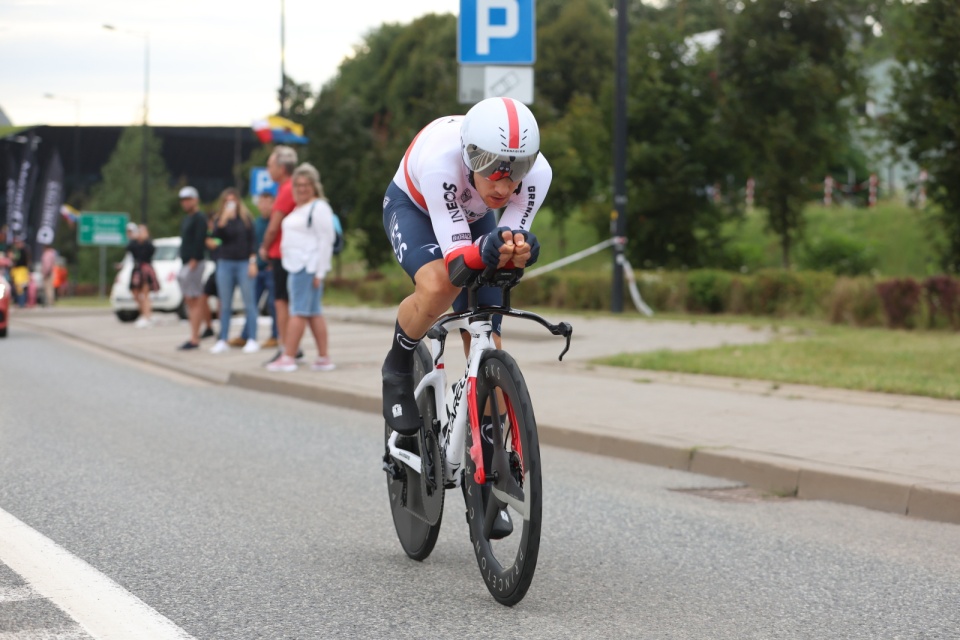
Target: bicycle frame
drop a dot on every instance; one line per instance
(453, 423)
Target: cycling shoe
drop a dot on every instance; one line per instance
(502, 525)
(399, 404)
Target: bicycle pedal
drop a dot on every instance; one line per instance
(392, 468)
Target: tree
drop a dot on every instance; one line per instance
(297, 100)
(927, 95)
(578, 147)
(400, 78)
(120, 191)
(786, 70)
(676, 151)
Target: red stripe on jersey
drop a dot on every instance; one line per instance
(414, 192)
(514, 123)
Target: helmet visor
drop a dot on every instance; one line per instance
(496, 167)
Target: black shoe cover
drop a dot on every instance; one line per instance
(399, 404)
(502, 525)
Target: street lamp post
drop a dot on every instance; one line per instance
(76, 135)
(144, 200)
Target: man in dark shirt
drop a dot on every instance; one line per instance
(193, 235)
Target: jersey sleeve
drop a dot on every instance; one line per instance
(522, 207)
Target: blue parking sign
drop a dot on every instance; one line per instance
(497, 32)
(260, 181)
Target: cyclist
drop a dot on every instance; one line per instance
(438, 213)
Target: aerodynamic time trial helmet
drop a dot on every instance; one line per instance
(499, 138)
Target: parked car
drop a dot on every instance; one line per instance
(6, 294)
(169, 299)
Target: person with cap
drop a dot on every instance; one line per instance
(193, 235)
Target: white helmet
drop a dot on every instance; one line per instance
(499, 138)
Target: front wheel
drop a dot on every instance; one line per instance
(513, 480)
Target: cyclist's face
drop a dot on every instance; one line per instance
(494, 193)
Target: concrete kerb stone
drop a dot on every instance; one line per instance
(281, 384)
(861, 487)
(659, 454)
(935, 501)
(768, 473)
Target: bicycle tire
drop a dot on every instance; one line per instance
(507, 565)
(417, 536)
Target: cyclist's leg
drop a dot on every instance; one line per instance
(416, 249)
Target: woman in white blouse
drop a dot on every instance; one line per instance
(306, 249)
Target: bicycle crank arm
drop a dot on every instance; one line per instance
(521, 506)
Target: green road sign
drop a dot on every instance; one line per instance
(102, 229)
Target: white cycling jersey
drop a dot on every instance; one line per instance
(433, 174)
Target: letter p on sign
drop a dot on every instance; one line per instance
(506, 27)
(495, 32)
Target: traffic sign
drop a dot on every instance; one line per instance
(497, 32)
(103, 229)
(260, 182)
(480, 82)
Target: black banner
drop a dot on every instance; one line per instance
(11, 194)
(52, 199)
(18, 212)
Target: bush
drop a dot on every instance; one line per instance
(943, 299)
(901, 297)
(708, 291)
(855, 301)
(837, 253)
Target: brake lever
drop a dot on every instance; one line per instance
(566, 330)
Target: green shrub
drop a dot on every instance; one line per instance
(855, 301)
(708, 291)
(838, 253)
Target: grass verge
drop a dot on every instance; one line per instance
(912, 363)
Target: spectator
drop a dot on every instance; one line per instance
(143, 279)
(280, 166)
(307, 249)
(60, 276)
(209, 296)
(48, 260)
(264, 281)
(193, 233)
(20, 272)
(236, 267)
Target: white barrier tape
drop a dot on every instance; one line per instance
(627, 271)
(634, 291)
(569, 259)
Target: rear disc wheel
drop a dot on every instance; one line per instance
(417, 509)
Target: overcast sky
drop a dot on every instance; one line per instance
(212, 62)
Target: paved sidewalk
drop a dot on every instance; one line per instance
(892, 453)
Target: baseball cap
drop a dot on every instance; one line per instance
(189, 192)
(131, 227)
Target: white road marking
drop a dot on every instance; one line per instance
(102, 607)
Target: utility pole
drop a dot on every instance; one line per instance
(618, 222)
(283, 72)
(145, 160)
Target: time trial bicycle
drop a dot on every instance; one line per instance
(480, 435)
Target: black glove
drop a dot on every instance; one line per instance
(490, 247)
(531, 240)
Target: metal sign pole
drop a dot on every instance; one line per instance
(619, 216)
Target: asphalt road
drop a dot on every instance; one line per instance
(237, 514)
